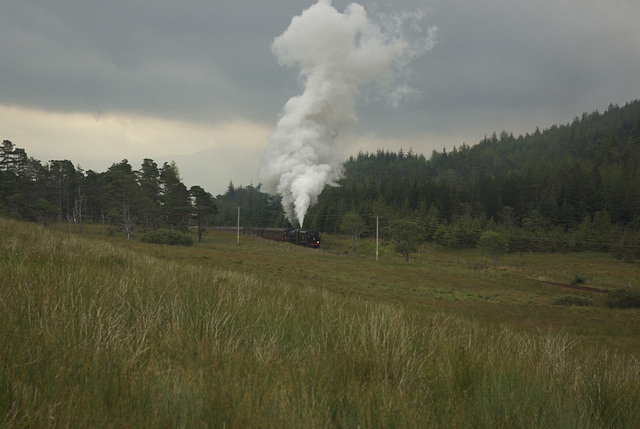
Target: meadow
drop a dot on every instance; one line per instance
(98, 331)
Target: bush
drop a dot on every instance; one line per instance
(167, 236)
(493, 243)
(623, 298)
(578, 280)
(569, 300)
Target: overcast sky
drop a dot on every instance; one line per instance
(195, 81)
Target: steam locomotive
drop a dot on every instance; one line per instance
(299, 236)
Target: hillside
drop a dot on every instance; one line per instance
(564, 173)
(571, 187)
(99, 331)
(559, 180)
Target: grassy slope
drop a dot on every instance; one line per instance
(101, 332)
(463, 283)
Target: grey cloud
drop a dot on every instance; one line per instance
(205, 61)
(497, 59)
(187, 59)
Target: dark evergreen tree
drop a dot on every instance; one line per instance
(204, 208)
(125, 196)
(149, 180)
(176, 203)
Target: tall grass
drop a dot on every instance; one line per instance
(98, 335)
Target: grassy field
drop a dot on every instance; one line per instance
(97, 331)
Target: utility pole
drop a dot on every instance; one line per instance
(238, 234)
(229, 207)
(377, 238)
(377, 235)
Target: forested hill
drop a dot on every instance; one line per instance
(607, 138)
(560, 177)
(570, 187)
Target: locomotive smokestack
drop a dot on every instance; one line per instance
(335, 54)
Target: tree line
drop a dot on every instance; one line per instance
(145, 199)
(571, 187)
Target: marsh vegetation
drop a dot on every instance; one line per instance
(99, 331)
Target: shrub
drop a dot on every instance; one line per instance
(626, 249)
(167, 236)
(569, 300)
(578, 280)
(493, 243)
(623, 298)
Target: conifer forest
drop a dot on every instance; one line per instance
(571, 187)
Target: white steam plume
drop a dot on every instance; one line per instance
(336, 53)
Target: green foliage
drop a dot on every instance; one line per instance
(169, 237)
(176, 202)
(623, 298)
(578, 280)
(149, 198)
(461, 234)
(113, 217)
(45, 210)
(352, 225)
(627, 248)
(572, 187)
(569, 300)
(406, 234)
(204, 208)
(257, 208)
(17, 206)
(493, 243)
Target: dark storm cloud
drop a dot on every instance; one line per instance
(543, 59)
(495, 63)
(191, 58)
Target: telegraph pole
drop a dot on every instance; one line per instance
(230, 207)
(238, 233)
(377, 237)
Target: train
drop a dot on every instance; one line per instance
(299, 236)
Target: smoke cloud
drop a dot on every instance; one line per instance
(337, 54)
